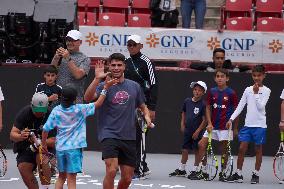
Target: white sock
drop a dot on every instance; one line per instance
(182, 167)
(256, 172)
(197, 168)
(43, 186)
(239, 172)
(194, 168)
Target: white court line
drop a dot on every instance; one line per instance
(9, 180)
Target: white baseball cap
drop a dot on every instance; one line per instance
(135, 38)
(74, 34)
(200, 83)
(39, 102)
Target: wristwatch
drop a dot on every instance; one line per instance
(104, 92)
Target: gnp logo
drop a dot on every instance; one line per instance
(237, 47)
(168, 41)
(174, 45)
(108, 43)
(106, 39)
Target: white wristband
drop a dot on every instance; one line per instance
(104, 92)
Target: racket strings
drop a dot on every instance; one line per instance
(3, 165)
(141, 120)
(279, 167)
(227, 162)
(46, 159)
(211, 166)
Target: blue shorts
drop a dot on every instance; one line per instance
(253, 134)
(69, 161)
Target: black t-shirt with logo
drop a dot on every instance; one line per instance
(26, 119)
(194, 112)
(50, 90)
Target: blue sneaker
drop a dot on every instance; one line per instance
(138, 177)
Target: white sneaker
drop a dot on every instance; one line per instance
(147, 172)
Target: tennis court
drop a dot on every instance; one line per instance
(161, 165)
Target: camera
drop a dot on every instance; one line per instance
(36, 142)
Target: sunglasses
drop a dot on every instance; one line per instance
(131, 44)
(69, 39)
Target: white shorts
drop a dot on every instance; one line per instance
(219, 135)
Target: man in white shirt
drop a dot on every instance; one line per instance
(254, 130)
(1, 99)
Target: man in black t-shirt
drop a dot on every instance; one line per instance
(30, 118)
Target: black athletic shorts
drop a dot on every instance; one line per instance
(124, 150)
(26, 156)
(189, 143)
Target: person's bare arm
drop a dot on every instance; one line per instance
(108, 84)
(16, 135)
(90, 93)
(57, 56)
(146, 113)
(200, 128)
(182, 122)
(77, 72)
(208, 118)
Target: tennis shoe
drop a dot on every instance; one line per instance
(254, 179)
(235, 178)
(138, 177)
(194, 175)
(178, 173)
(146, 171)
(222, 177)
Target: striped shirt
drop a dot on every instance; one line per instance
(222, 103)
(140, 69)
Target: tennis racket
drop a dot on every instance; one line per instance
(227, 160)
(46, 160)
(3, 162)
(209, 162)
(141, 121)
(47, 165)
(278, 162)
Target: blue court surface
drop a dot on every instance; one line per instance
(160, 165)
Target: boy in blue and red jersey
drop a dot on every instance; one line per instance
(221, 103)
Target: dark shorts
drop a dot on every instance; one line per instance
(124, 150)
(26, 156)
(189, 143)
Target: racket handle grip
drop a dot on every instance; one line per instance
(282, 136)
(35, 139)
